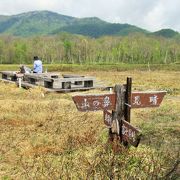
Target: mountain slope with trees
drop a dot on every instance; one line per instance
(64, 39)
(103, 29)
(48, 23)
(34, 23)
(167, 33)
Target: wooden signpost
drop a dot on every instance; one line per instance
(120, 102)
(95, 102)
(108, 101)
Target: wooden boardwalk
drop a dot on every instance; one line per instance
(53, 82)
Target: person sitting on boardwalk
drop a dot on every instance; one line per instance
(24, 69)
(37, 67)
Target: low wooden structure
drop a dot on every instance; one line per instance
(9, 75)
(52, 81)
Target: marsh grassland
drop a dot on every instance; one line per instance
(43, 136)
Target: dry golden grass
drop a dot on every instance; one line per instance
(43, 136)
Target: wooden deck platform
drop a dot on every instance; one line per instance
(53, 82)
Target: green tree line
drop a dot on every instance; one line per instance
(76, 49)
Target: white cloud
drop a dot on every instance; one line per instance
(164, 15)
(149, 14)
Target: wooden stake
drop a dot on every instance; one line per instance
(127, 114)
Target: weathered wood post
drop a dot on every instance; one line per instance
(117, 115)
(127, 109)
(127, 114)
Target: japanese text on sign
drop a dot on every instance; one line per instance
(130, 133)
(147, 99)
(95, 102)
(107, 118)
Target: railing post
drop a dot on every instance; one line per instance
(20, 85)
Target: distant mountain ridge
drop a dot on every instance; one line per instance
(168, 33)
(48, 23)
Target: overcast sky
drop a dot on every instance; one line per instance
(148, 14)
